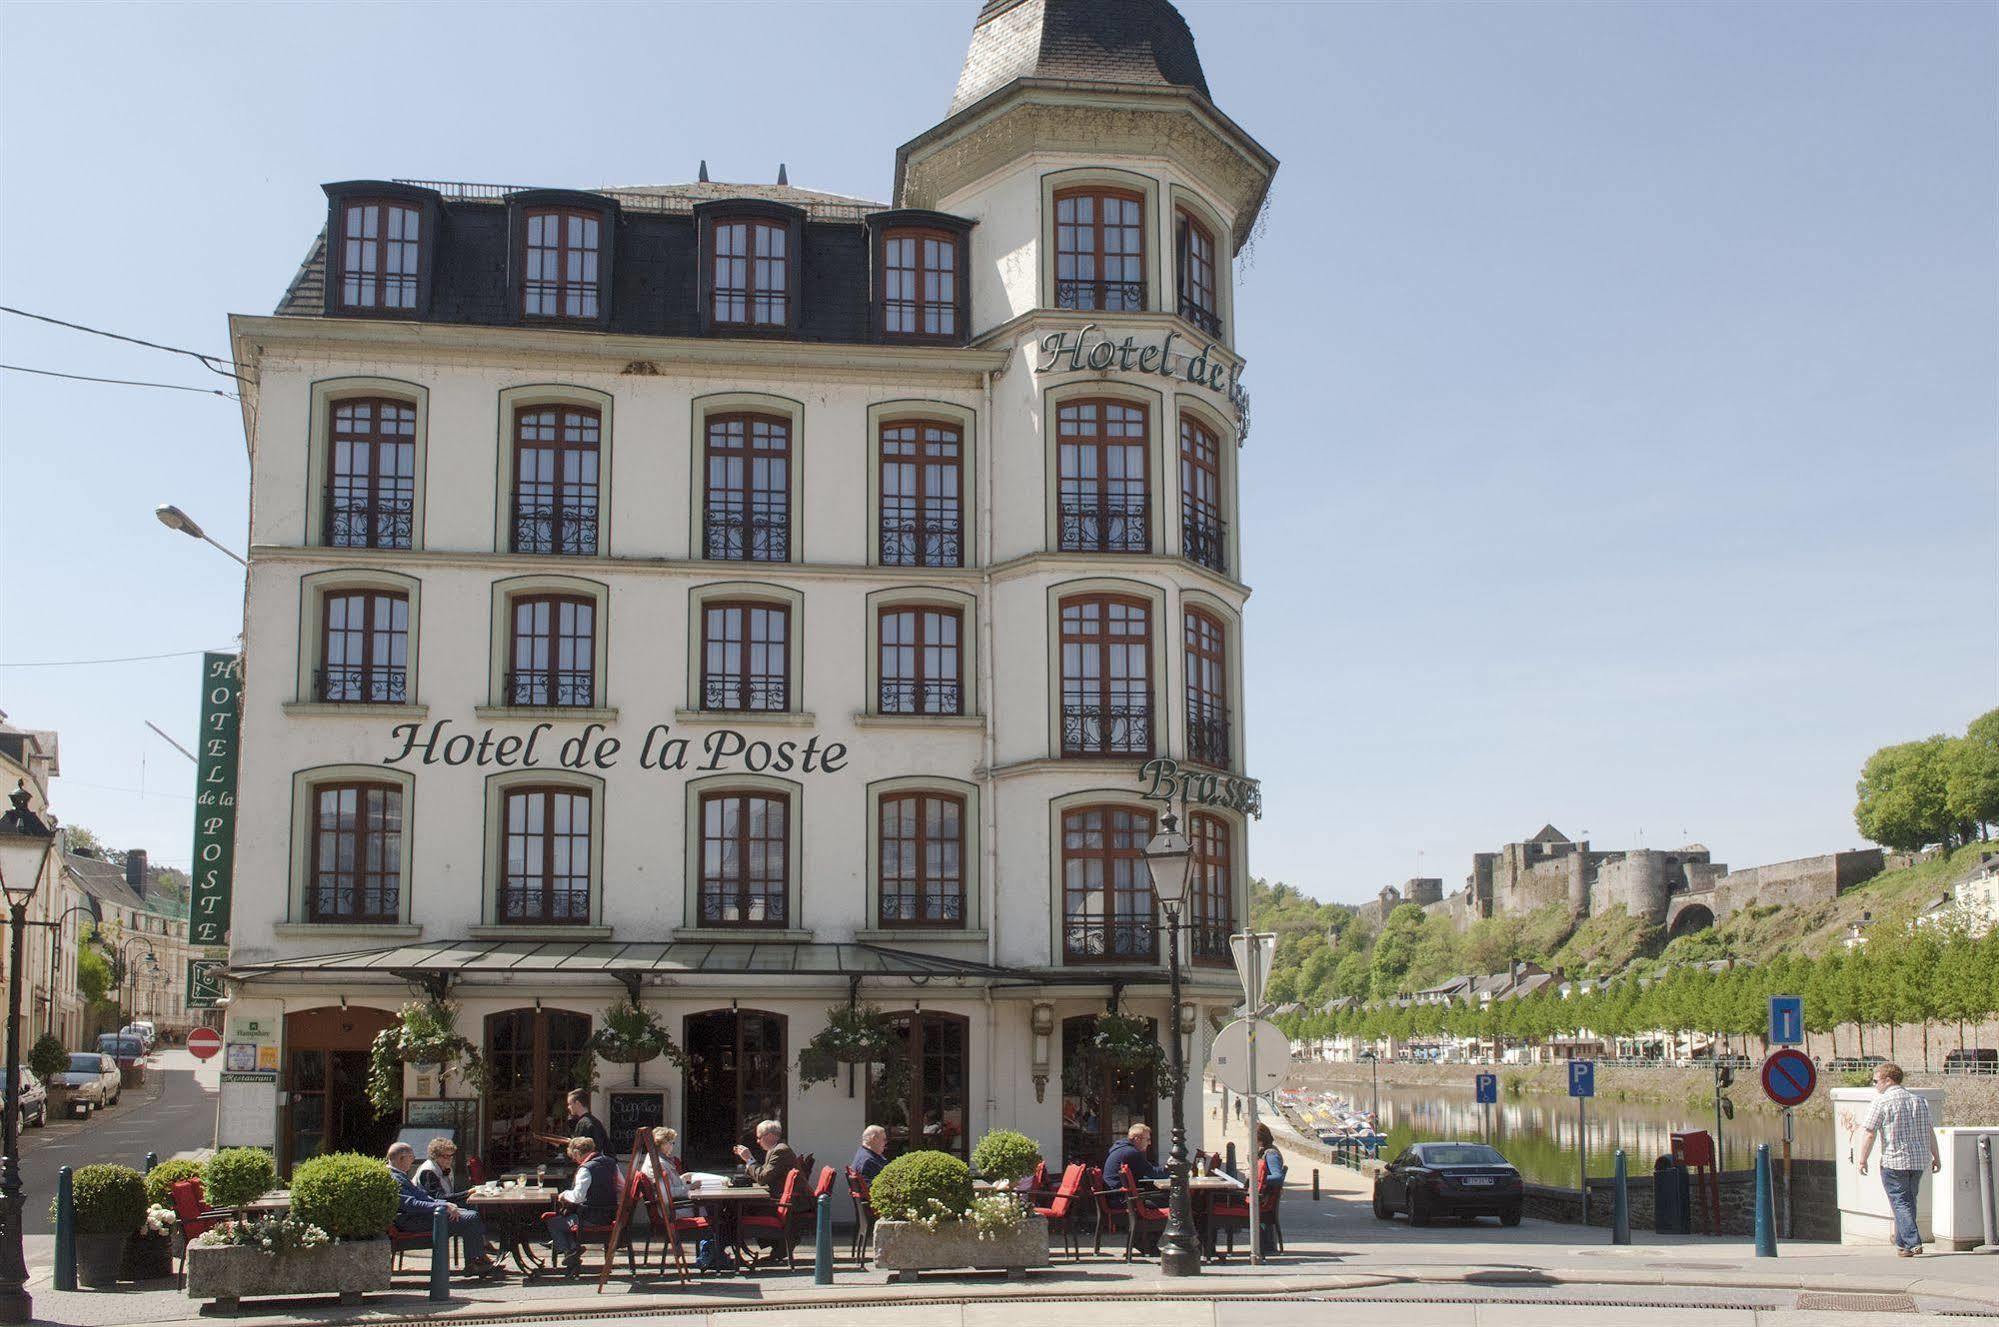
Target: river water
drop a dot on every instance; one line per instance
(1538, 1132)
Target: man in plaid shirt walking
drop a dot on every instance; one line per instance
(1901, 1120)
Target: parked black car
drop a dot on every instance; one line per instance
(1462, 1180)
(1980, 1061)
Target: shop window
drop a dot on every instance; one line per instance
(920, 1096)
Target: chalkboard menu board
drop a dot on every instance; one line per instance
(632, 1111)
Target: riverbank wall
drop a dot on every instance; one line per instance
(1814, 1201)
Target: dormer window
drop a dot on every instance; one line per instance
(752, 266)
(919, 283)
(381, 245)
(1100, 249)
(559, 264)
(1196, 244)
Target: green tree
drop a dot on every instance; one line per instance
(1971, 774)
(1902, 796)
(93, 973)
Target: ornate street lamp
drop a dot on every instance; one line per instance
(1168, 856)
(25, 842)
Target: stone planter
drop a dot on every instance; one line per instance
(230, 1274)
(99, 1259)
(903, 1248)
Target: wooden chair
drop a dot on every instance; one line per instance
(670, 1228)
(1141, 1217)
(775, 1224)
(1060, 1211)
(864, 1214)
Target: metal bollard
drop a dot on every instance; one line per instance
(1620, 1203)
(1315, 1184)
(822, 1246)
(65, 1230)
(1766, 1221)
(152, 1159)
(1988, 1196)
(440, 1253)
(1228, 1163)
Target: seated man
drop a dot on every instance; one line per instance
(414, 1213)
(779, 1160)
(868, 1159)
(1127, 1155)
(591, 1201)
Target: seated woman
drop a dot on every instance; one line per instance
(663, 1141)
(1273, 1160)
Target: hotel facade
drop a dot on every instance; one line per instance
(748, 600)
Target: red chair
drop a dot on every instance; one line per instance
(475, 1170)
(601, 1234)
(1141, 1217)
(193, 1214)
(775, 1225)
(1060, 1213)
(864, 1213)
(1233, 1210)
(1040, 1184)
(671, 1229)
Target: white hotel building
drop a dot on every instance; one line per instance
(750, 599)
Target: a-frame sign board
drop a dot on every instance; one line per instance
(642, 1148)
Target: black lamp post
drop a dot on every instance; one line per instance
(25, 842)
(1374, 1064)
(128, 969)
(1168, 856)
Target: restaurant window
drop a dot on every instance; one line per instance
(1100, 1103)
(561, 251)
(363, 648)
(1207, 690)
(1106, 676)
(921, 669)
(750, 269)
(556, 466)
(1211, 907)
(1107, 900)
(1101, 504)
(1204, 533)
(546, 854)
(1196, 245)
(356, 869)
(746, 505)
(1099, 250)
(922, 494)
(371, 474)
(552, 660)
(922, 855)
(919, 1094)
(745, 859)
(745, 656)
(381, 247)
(919, 283)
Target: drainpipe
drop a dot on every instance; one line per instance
(989, 796)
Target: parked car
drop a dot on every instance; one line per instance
(91, 1082)
(128, 1051)
(34, 1099)
(1983, 1060)
(1462, 1180)
(144, 1031)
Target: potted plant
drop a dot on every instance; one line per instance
(110, 1208)
(149, 1253)
(235, 1175)
(1006, 1156)
(631, 1035)
(333, 1241)
(425, 1032)
(854, 1034)
(927, 1218)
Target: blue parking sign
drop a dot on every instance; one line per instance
(1488, 1089)
(1787, 1020)
(1582, 1078)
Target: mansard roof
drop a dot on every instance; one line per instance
(1143, 42)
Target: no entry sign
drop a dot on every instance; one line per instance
(204, 1043)
(1789, 1077)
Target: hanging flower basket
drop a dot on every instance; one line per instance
(629, 1034)
(854, 1034)
(425, 1032)
(1118, 1044)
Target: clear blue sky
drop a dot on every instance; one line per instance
(1625, 450)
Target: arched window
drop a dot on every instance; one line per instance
(1099, 249)
(746, 507)
(745, 859)
(1098, 1108)
(381, 245)
(371, 474)
(922, 854)
(1196, 244)
(751, 273)
(920, 1096)
(357, 854)
(745, 656)
(1108, 908)
(561, 249)
(922, 517)
(1101, 477)
(1207, 690)
(1211, 899)
(555, 479)
(1204, 532)
(363, 647)
(553, 657)
(547, 848)
(921, 660)
(1106, 676)
(919, 283)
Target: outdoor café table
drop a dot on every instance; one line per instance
(274, 1203)
(513, 1218)
(1205, 1191)
(728, 1204)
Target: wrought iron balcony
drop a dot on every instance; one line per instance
(1111, 526)
(731, 534)
(727, 906)
(570, 688)
(1111, 296)
(1205, 319)
(1106, 730)
(758, 691)
(385, 523)
(1205, 539)
(1129, 940)
(1208, 737)
(904, 695)
(556, 528)
(359, 684)
(909, 542)
(1208, 942)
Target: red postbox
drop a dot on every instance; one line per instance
(1694, 1149)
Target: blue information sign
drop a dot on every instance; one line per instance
(1582, 1078)
(1787, 1020)
(1488, 1089)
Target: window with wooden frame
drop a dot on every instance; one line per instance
(1211, 899)
(920, 1098)
(1100, 249)
(1108, 908)
(356, 869)
(745, 656)
(381, 248)
(1207, 690)
(750, 273)
(545, 850)
(746, 505)
(922, 849)
(1196, 245)
(1101, 473)
(556, 467)
(560, 251)
(553, 657)
(1204, 532)
(745, 859)
(919, 283)
(1106, 676)
(922, 494)
(370, 499)
(364, 638)
(921, 663)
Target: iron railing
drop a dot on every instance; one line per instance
(1205, 539)
(907, 695)
(560, 688)
(1106, 730)
(758, 691)
(360, 684)
(1110, 526)
(380, 524)
(1208, 737)
(1133, 940)
(637, 200)
(1205, 319)
(910, 542)
(556, 529)
(731, 534)
(1110, 296)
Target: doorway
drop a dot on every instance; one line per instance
(533, 1058)
(326, 1086)
(735, 1077)
(1098, 1109)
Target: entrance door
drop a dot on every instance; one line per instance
(735, 1078)
(326, 1086)
(533, 1058)
(1099, 1111)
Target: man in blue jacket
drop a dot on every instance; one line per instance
(414, 1213)
(1129, 1152)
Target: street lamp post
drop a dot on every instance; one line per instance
(127, 968)
(55, 954)
(1374, 1066)
(1168, 856)
(175, 519)
(25, 841)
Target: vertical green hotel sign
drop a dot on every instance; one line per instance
(215, 801)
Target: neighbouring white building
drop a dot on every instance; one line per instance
(58, 916)
(746, 599)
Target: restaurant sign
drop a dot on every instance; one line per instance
(215, 801)
(1168, 781)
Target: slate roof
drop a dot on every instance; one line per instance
(1549, 834)
(101, 880)
(1142, 42)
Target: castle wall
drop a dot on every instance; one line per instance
(1637, 882)
(1798, 883)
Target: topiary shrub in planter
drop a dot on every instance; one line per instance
(235, 1175)
(347, 1195)
(282, 1255)
(929, 1220)
(110, 1208)
(160, 1181)
(1006, 1156)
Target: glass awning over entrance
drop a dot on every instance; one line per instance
(485, 959)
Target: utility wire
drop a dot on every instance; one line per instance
(207, 361)
(82, 663)
(124, 382)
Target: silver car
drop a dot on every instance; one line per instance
(34, 1099)
(91, 1082)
